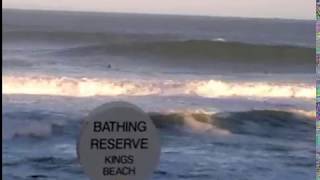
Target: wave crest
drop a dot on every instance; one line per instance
(282, 124)
(213, 88)
(84, 87)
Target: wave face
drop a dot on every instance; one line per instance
(84, 49)
(202, 49)
(84, 87)
(159, 46)
(284, 125)
(256, 123)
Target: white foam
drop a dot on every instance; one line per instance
(86, 87)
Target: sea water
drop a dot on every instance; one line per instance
(233, 98)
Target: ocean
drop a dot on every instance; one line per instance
(233, 98)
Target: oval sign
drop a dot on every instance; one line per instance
(118, 141)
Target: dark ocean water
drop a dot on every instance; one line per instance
(233, 98)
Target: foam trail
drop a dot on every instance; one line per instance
(213, 88)
(84, 87)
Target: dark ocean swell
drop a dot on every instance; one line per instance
(199, 48)
(188, 52)
(260, 123)
(142, 45)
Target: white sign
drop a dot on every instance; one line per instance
(118, 141)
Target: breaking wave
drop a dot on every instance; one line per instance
(260, 123)
(84, 87)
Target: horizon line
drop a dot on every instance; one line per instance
(157, 14)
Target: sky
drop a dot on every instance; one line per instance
(288, 9)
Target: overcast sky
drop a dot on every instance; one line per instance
(289, 9)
